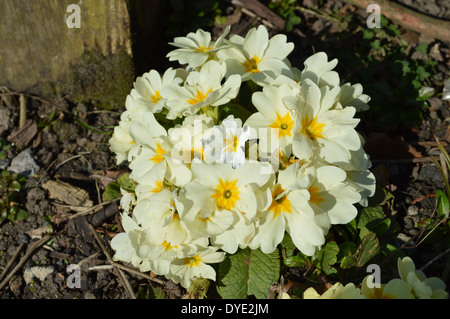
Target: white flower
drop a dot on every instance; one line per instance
(256, 57)
(196, 48)
(394, 289)
(320, 71)
(149, 86)
(337, 291)
(187, 139)
(151, 182)
(320, 130)
(291, 211)
(194, 264)
(133, 245)
(121, 142)
(225, 143)
(201, 89)
(422, 287)
(330, 192)
(219, 188)
(352, 95)
(156, 148)
(160, 213)
(273, 114)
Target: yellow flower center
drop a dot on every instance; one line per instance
(315, 197)
(203, 49)
(283, 124)
(168, 246)
(281, 205)
(226, 194)
(199, 97)
(231, 144)
(155, 98)
(159, 157)
(252, 65)
(158, 187)
(312, 129)
(193, 261)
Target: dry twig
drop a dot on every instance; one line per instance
(33, 246)
(123, 279)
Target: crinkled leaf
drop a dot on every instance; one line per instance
(327, 257)
(126, 183)
(111, 192)
(248, 272)
(370, 214)
(370, 247)
(198, 288)
(288, 245)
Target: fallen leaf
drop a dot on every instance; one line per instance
(68, 194)
(25, 135)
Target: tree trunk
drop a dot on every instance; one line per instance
(43, 51)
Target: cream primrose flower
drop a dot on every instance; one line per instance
(394, 289)
(128, 200)
(320, 71)
(196, 48)
(121, 143)
(273, 114)
(202, 89)
(352, 95)
(256, 57)
(359, 174)
(328, 133)
(156, 148)
(149, 86)
(225, 143)
(151, 182)
(219, 187)
(337, 291)
(194, 264)
(291, 210)
(187, 139)
(422, 287)
(330, 192)
(160, 213)
(133, 245)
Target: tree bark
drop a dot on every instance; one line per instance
(41, 54)
(426, 25)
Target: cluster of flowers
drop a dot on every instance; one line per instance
(412, 284)
(211, 183)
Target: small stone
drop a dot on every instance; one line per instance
(413, 210)
(403, 239)
(24, 164)
(38, 272)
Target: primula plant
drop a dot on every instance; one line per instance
(234, 151)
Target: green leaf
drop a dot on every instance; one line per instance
(198, 288)
(329, 258)
(370, 246)
(111, 192)
(126, 183)
(370, 214)
(248, 272)
(288, 245)
(422, 48)
(443, 207)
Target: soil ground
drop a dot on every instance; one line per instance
(73, 148)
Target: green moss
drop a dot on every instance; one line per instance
(101, 81)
